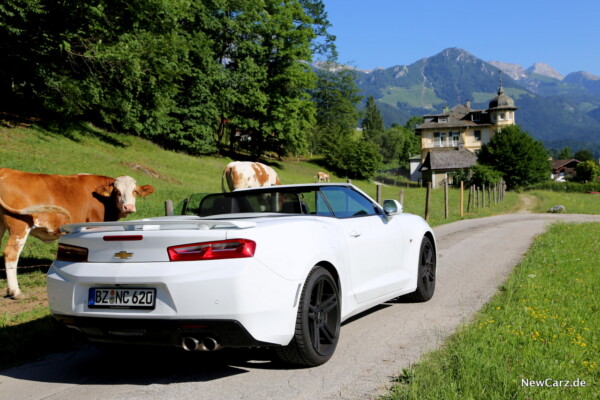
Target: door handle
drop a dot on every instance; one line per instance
(354, 233)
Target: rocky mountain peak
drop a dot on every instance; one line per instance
(588, 76)
(546, 70)
(515, 71)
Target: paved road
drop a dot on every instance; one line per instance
(475, 256)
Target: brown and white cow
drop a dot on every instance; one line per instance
(247, 174)
(322, 177)
(38, 204)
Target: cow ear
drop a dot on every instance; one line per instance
(144, 190)
(104, 190)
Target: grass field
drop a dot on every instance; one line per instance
(541, 329)
(416, 96)
(574, 203)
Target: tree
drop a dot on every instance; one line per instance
(187, 75)
(360, 159)
(584, 155)
(413, 122)
(391, 144)
(335, 98)
(372, 123)
(17, 49)
(334, 135)
(521, 159)
(587, 171)
(412, 142)
(397, 144)
(565, 154)
(281, 46)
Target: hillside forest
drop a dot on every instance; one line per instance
(199, 77)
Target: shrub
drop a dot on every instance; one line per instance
(484, 175)
(586, 171)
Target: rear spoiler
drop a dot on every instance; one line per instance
(157, 224)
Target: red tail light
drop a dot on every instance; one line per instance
(66, 252)
(234, 248)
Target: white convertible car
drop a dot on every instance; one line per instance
(278, 267)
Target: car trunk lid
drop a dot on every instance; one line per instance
(146, 240)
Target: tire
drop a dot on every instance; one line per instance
(426, 273)
(317, 323)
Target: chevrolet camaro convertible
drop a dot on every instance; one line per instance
(278, 267)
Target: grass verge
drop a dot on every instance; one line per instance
(538, 338)
(574, 203)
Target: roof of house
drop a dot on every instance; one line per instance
(502, 101)
(459, 116)
(559, 164)
(449, 158)
(462, 116)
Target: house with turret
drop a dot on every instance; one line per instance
(450, 140)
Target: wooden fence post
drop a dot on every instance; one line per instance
(499, 191)
(378, 192)
(462, 199)
(427, 201)
(446, 199)
(471, 190)
(402, 197)
(168, 207)
(483, 195)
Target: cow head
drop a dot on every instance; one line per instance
(125, 190)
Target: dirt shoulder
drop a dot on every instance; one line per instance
(527, 204)
(34, 298)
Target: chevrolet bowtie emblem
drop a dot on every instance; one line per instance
(123, 255)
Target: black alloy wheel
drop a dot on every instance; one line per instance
(426, 273)
(317, 323)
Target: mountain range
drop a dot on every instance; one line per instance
(559, 111)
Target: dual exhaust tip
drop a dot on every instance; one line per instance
(205, 344)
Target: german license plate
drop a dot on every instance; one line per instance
(139, 298)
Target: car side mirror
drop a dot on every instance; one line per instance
(392, 207)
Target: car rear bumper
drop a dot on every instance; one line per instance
(244, 292)
(207, 335)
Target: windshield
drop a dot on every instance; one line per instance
(332, 201)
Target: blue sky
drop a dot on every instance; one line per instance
(384, 33)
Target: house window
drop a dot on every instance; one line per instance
(454, 138)
(442, 119)
(477, 136)
(436, 139)
(502, 116)
(475, 116)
